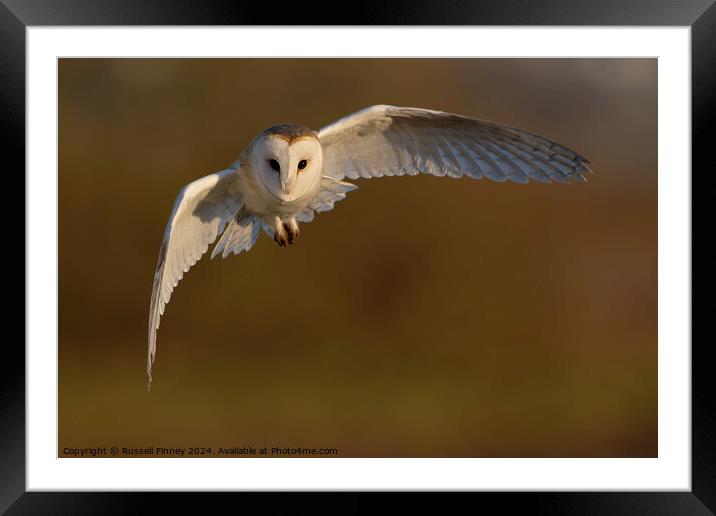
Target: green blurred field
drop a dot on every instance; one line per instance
(424, 316)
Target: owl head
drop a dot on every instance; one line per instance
(288, 160)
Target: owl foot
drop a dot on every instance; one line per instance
(286, 232)
(292, 231)
(281, 238)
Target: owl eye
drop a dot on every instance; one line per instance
(274, 165)
(302, 164)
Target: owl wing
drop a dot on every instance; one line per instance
(394, 141)
(201, 211)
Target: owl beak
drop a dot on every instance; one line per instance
(287, 181)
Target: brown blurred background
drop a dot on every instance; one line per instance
(424, 316)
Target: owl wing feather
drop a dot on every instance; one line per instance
(395, 141)
(201, 211)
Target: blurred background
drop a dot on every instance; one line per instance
(514, 321)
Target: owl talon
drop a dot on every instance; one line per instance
(281, 239)
(292, 232)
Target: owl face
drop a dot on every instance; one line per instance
(288, 161)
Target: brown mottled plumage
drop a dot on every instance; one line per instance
(290, 132)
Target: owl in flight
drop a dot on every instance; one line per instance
(288, 172)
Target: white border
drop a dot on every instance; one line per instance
(670, 471)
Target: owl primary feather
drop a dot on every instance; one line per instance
(289, 172)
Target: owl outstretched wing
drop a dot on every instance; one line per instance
(395, 141)
(201, 211)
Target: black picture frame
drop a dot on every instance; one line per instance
(17, 15)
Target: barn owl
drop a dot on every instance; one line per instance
(289, 172)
